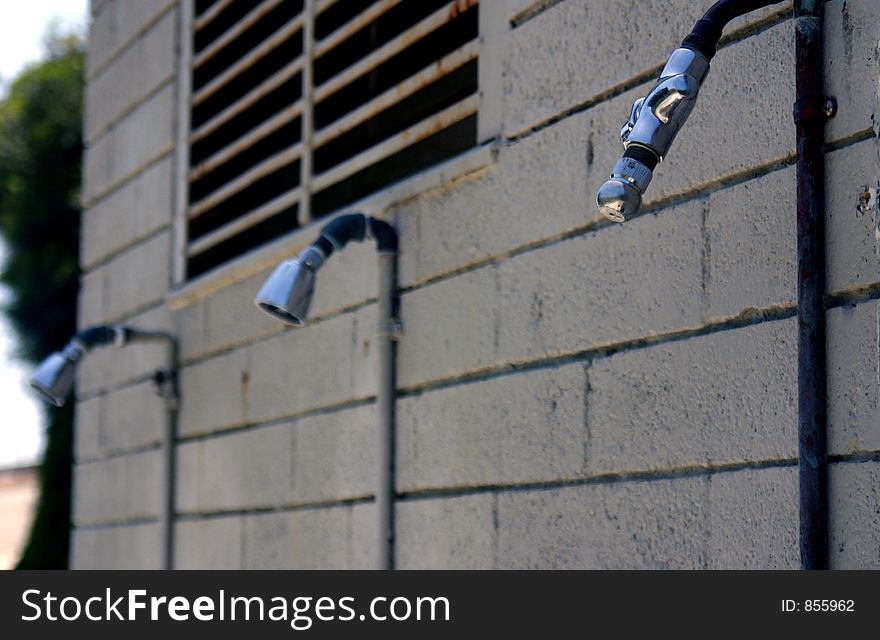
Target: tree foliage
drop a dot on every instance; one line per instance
(40, 167)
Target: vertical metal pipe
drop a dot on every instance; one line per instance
(812, 436)
(172, 404)
(166, 387)
(385, 406)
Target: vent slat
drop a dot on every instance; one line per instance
(253, 218)
(240, 27)
(389, 50)
(322, 5)
(225, 154)
(257, 93)
(213, 11)
(245, 63)
(264, 168)
(353, 26)
(416, 133)
(394, 95)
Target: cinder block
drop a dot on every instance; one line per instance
(130, 282)
(751, 245)
(753, 519)
(215, 393)
(658, 524)
(364, 536)
(88, 429)
(191, 323)
(721, 398)
(446, 533)
(363, 372)
(213, 543)
(313, 367)
(449, 327)
(309, 539)
(518, 428)
(852, 31)
(335, 456)
(99, 492)
(268, 541)
(538, 188)
(90, 309)
(119, 547)
(135, 211)
(83, 553)
(616, 284)
(143, 136)
(134, 417)
(118, 489)
(230, 318)
(854, 512)
(852, 216)
(115, 24)
(247, 469)
(853, 369)
(109, 367)
(138, 278)
(188, 470)
(144, 484)
(144, 65)
(320, 538)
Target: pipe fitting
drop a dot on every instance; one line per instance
(653, 124)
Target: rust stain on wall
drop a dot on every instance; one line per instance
(245, 393)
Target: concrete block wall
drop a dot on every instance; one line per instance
(572, 393)
(125, 255)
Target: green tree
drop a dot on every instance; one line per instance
(40, 168)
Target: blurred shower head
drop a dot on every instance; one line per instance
(53, 379)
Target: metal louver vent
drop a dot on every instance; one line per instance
(301, 107)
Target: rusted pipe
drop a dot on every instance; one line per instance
(810, 111)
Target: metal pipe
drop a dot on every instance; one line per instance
(53, 381)
(387, 335)
(287, 296)
(166, 387)
(810, 111)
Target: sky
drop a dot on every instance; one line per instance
(23, 24)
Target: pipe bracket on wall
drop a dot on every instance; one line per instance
(814, 109)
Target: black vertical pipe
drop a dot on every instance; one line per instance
(810, 116)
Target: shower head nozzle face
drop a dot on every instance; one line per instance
(620, 197)
(287, 293)
(53, 379)
(618, 200)
(282, 314)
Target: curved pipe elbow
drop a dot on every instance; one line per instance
(337, 233)
(101, 335)
(356, 227)
(385, 234)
